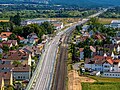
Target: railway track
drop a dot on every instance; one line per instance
(61, 66)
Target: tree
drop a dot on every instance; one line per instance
(48, 27)
(5, 48)
(9, 87)
(16, 19)
(87, 52)
(16, 63)
(12, 37)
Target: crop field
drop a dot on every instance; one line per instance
(102, 84)
(107, 20)
(4, 20)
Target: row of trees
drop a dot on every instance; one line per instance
(111, 13)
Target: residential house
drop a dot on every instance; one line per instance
(1, 50)
(85, 27)
(99, 36)
(33, 50)
(21, 39)
(58, 25)
(81, 53)
(1, 83)
(96, 63)
(5, 35)
(33, 36)
(15, 55)
(115, 24)
(110, 67)
(115, 40)
(20, 72)
(7, 78)
(92, 49)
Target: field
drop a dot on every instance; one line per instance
(102, 83)
(74, 80)
(106, 20)
(4, 20)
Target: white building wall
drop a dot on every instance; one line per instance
(106, 67)
(110, 74)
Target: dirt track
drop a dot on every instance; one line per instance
(74, 80)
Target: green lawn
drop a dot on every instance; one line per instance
(102, 84)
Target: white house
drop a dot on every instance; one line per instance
(115, 40)
(115, 24)
(85, 27)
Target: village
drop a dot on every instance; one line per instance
(98, 49)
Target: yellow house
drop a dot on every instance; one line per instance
(6, 79)
(1, 83)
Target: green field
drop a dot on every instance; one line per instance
(102, 84)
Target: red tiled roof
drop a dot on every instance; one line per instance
(92, 49)
(6, 34)
(5, 75)
(20, 38)
(15, 55)
(110, 61)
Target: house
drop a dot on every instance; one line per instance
(6, 78)
(96, 63)
(110, 67)
(115, 40)
(58, 25)
(85, 27)
(115, 24)
(91, 33)
(34, 21)
(81, 53)
(86, 34)
(21, 39)
(13, 42)
(19, 56)
(5, 35)
(99, 36)
(33, 50)
(96, 73)
(20, 72)
(93, 51)
(33, 36)
(1, 83)
(1, 50)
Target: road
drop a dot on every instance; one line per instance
(42, 78)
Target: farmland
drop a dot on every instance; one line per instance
(102, 83)
(107, 20)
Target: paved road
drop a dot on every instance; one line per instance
(43, 77)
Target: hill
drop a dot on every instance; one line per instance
(89, 3)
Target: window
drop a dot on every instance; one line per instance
(18, 76)
(24, 77)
